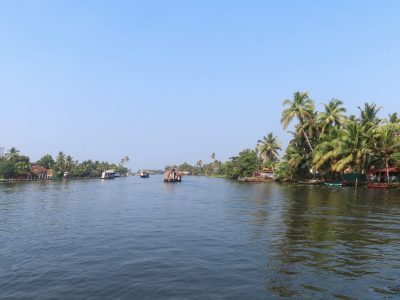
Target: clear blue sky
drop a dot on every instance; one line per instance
(172, 81)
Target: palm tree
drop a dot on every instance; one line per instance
(311, 127)
(301, 107)
(68, 163)
(199, 165)
(268, 149)
(353, 149)
(294, 159)
(213, 161)
(213, 156)
(369, 115)
(297, 157)
(393, 118)
(12, 154)
(388, 142)
(324, 154)
(60, 162)
(333, 114)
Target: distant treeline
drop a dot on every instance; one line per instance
(15, 165)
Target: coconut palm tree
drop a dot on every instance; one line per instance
(311, 127)
(69, 162)
(388, 142)
(124, 160)
(354, 148)
(301, 107)
(297, 156)
(213, 156)
(12, 154)
(393, 118)
(268, 149)
(199, 166)
(369, 115)
(213, 161)
(333, 114)
(60, 162)
(324, 154)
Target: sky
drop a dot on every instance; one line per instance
(166, 82)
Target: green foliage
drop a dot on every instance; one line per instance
(395, 159)
(268, 149)
(46, 161)
(22, 168)
(14, 164)
(243, 165)
(7, 169)
(332, 143)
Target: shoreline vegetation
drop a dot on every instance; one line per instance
(326, 146)
(17, 167)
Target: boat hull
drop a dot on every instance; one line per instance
(172, 180)
(381, 186)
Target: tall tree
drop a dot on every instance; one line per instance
(60, 162)
(387, 142)
(369, 115)
(213, 162)
(12, 154)
(393, 118)
(213, 156)
(301, 107)
(353, 149)
(46, 161)
(199, 166)
(333, 114)
(7, 169)
(69, 162)
(268, 149)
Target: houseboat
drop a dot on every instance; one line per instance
(144, 174)
(173, 175)
(109, 174)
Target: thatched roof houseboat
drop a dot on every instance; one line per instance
(173, 175)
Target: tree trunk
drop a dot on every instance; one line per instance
(301, 119)
(308, 141)
(387, 168)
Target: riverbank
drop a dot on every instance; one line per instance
(47, 179)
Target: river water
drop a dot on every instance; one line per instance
(204, 238)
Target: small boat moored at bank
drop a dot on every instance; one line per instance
(333, 184)
(382, 186)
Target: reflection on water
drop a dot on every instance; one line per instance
(199, 239)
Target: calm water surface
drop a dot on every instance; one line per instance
(133, 238)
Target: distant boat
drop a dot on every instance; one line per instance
(144, 174)
(109, 174)
(173, 175)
